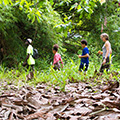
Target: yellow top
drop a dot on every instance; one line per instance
(31, 60)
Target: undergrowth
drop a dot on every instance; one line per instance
(69, 74)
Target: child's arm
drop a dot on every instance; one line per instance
(62, 65)
(61, 61)
(84, 56)
(25, 63)
(111, 51)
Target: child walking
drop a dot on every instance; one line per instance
(29, 61)
(84, 57)
(57, 58)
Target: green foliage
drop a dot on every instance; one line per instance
(83, 20)
(59, 78)
(24, 19)
(65, 22)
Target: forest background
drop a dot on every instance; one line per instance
(62, 22)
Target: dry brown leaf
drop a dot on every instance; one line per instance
(111, 86)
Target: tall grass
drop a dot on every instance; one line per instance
(57, 78)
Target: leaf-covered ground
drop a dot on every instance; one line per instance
(79, 101)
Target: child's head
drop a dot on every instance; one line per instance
(83, 43)
(55, 48)
(28, 41)
(104, 37)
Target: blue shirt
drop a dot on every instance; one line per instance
(85, 60)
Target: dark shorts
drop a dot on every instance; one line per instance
(1, 57)
(106, 65)
(30, 68)
(83, 67)
(57, 66)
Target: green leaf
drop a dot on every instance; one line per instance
(74, 6)
(38, 13)
(10, 2)
(38, 19)
(86, 10)
(51, 2)
(27, 5)
(22, 2)
(1, 1)
(6, 2)
(33, 19)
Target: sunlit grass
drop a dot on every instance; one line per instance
(58, 78)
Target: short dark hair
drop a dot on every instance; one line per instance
(84, 42)
(55, 47)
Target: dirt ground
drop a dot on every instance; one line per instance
(79, 101)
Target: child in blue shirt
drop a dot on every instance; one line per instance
(84, 57)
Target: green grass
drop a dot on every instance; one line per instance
(68, 74)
